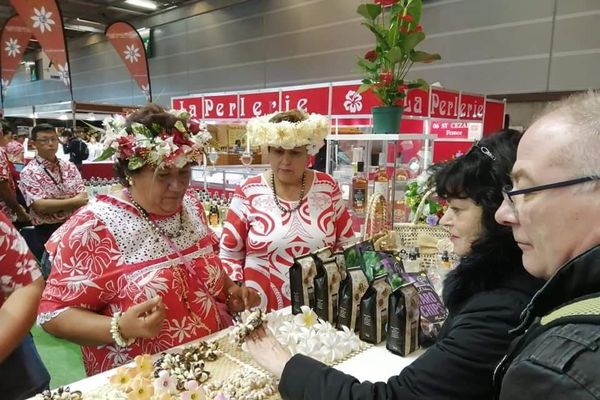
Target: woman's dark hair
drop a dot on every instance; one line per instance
(480, 176)
(154, 117)
(5, 128)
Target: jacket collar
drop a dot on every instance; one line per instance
(578, 277)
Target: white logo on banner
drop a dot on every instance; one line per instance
(353, 102)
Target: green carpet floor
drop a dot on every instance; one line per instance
(62, 358)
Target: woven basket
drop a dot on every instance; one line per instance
(426, 237)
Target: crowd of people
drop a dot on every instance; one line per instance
(139, 271)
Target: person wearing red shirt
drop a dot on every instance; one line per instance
(53, 188)
(8, 194)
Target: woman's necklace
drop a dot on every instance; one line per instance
(153, 224)
(278, 204)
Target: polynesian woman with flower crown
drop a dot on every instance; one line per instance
(285, 212)
(136, 271)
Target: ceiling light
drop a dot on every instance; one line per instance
(87, 21)
(63, 117)
(83, 28)
(149, 5)
(92, 117)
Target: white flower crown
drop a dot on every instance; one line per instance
(309, 132)
(154, 145)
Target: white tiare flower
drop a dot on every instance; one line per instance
(132, 53)
(42, 19)
(353, 102)
(63, 72)
(165, 383)
(12, 47)
(306, 318)
(146, 91)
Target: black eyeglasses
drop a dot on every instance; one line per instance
(48, 140)
(508, 193)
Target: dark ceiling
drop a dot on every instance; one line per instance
(95, 14)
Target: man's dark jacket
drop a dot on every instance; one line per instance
(563, 361)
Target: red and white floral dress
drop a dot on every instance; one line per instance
(14, 151)
(18, 268)
(6, 175)
(259, 241)
(106, 258)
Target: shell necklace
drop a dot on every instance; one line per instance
(154, 225)
(278, 204)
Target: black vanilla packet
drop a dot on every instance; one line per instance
(327, 286)
(351, 292)
(302, 275)
(374, 310)
(403, 320)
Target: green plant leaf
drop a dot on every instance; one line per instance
(394, 55)
(369, 11)
(364, 87)
(418, 84)
(412, 40)
(135, 163)
(423, 57)
(415, 8)
(380, 34)
(366, 64)
(106, 154)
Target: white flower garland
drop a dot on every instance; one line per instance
(310, 132)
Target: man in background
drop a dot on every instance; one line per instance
(75, 148)
(53, 188)
(9, 204)
(554, 211)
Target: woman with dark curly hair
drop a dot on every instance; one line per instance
(485, 295)
(136, 272)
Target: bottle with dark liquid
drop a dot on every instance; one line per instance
(359, 192)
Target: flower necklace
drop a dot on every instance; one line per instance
(153, 224)
(278, 204)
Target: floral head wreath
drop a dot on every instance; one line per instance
(155, 145)
(309, 132)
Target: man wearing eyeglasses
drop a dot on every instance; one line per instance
(553, 209)
(53, 188)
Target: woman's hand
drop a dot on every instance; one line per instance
(143, 320)
(266, 350)
(241, 298)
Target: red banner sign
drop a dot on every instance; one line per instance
(221, 106)
(128, 44)
(44, 19)
(257, 104)
(311, 100)
(193, 105)
(416, 103)
(444, 103)
(14, 39)
(471, 107)
(345, 100)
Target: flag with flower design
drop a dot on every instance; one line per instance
(44, 19)
(130, 47)
(14, 38)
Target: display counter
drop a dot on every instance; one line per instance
(373, 364)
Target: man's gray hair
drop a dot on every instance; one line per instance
(582, 112)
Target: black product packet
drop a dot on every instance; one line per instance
(403, 320)
(302, 275)
(351, 292)
(327, 286)
(433, 311)
(374, 310)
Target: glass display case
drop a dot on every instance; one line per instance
(364, 164)
(223, 178)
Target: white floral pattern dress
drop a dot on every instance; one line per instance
(18, 268)
(106, 258)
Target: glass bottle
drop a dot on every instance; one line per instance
(213, 215)
(359, 191)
